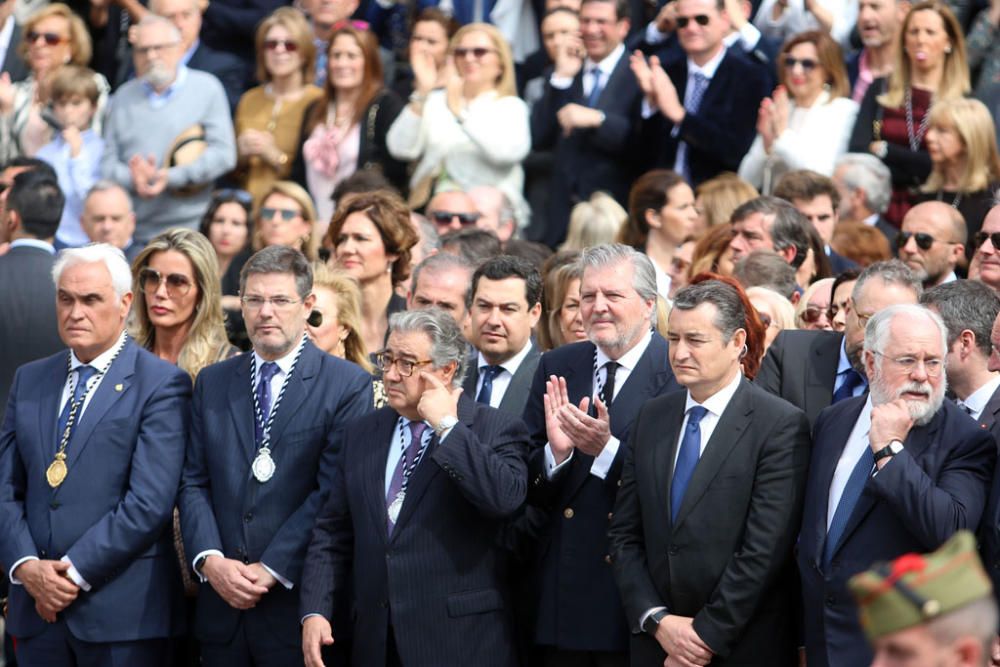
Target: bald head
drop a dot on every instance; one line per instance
(935, 237)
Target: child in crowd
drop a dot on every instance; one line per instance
(75, 151)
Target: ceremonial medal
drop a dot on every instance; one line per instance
(263, 466)
(395, 506)
(56, 472)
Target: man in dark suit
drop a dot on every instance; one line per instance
(933, 240)
(28, 329)
(410, 526)
(701, 112)
(898, 471)
(587, 113)
(504, 306)
(263, 437)
(12, 64)
(865, 186)
(710, 501)
(91, 453)
(585, 396)
(813, 369)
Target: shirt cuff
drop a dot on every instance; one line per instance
(204, 554)
(74, 575)
(653, 34)
(551, 467)
(602, 464)
(647, 109)
(749, 36)
(560, 82)
(13, 569)
(649, 612)
(284, 582)
(302, 621)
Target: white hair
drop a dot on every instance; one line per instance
(110, 256)
(151, 19)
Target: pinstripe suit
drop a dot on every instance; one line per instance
(224, 508)
(439, 575)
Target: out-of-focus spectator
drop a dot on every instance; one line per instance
(807, 121)
(475, 131)
(817, 264)
(168, 135)
(865, 186)
(372, 237)
(861, 243)
(107, 217)
(443, 281)
(680, 266)
(816, 197)
(269, 117)
(781, 20)
(228, 225)
(661, 215)
(337, 330)
(532, 251)
(594, 222)
(878, 28)
(428, 40)
(961, 140)
(714, 253)
(985, 265)
(769, 223)
(475, 245)
(452, 210)
(51, 37)
(558, 274)
(840, 298)
(560, 26)
(893, 121)
(497, 211)
(775, 311)
(345, 131)
(286, 216)
(812, 311)
(717, 198)
(325, 16)
(932, 242)
(12, 63)
(764, 268)
(983, 44)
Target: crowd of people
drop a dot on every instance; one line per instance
(551, 333)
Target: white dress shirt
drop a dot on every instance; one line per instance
(715, 405)
(857, 442)
(977, 400)
(503, 378)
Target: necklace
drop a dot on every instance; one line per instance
(263, 466)
(915, 139)
(954, 202)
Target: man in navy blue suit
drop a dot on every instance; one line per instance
(409, 531)
(91, 453)
(263, 437)
(897, 471)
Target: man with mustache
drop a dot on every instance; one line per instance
(898, 471)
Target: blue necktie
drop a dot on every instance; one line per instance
(596, 88)
(852, 380)
(848, 499)
(266, 374)
(486, 391)
(687, 458)
(699, 84)
(83, 375)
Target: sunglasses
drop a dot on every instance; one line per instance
(924, 241)
(50, 38)
(445, 217)
(288, 45)
(477, 52)
(287, 214)
(700, 19)
(812, 314)
(980, 239)
(151, 279)
(233, 194)
(808, 64)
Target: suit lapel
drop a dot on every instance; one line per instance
(825, 461)
(991, 412)
(822, 373)
(374, 469)
(520, 384)
(609, 92)
(48, 401)
(241, 405)
(646, 380)
(666, 451)
(296, 390)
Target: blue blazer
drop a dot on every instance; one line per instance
(936, 486)
(224, 507)
(112, 515)
(439, 578)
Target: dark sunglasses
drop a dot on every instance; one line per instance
(287, 44)
(233, 194)
(477, 52)
(812, 314)
(700, 19)
(924, 240)
(808, 64)
(287, 214)
(444, 217)
(50, 38)
(980, 239)
(151, 279)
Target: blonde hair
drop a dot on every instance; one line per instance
(594, 222)
(310, 245)
(296, 24)
(800, 307)
(206, 342)
(954, 81)
(555, 287)
(974, 124)
(722, 195)
(348, 296)
(506, 85)
(80, 46)
(783, 310)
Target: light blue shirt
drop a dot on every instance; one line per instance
(159, 100)
(76, 175)
(843, 366)
(396, 450)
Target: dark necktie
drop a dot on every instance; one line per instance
(607, 393)
(417, 429)
(964, 408)
(687, 459)
(489, 374)
(848, 499)
(83, 375)
(264, 377)
(596, 88)
(852, 380)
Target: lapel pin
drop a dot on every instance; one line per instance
(119, 387)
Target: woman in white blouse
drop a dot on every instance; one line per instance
(807, 122)
(472, 132)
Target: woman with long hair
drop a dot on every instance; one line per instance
(286, 216)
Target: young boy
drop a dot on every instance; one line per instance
(75, 151)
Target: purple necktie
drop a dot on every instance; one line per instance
(417, 429)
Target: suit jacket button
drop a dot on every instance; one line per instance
(384, 604)
(610, 515)
(568, 512)
(248, 517)
(830, 602)
(54, 505)
(672, 551)
(619, 482)
(607, 559)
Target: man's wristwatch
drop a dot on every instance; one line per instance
(652, 621)
(893, 448)
(445, 424)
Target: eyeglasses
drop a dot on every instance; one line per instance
(477, 52)
(147, 50)
(812, 314)
(252, 302)
(980, 238)
(404, 367)
(177, 284)
(287, 214)
(233, 194)
(932, 367)
(808, 64)
(50, 38)
(924, 240)
(700, 19)
(288, 45)
(445, 217)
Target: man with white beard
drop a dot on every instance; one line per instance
(897, 471)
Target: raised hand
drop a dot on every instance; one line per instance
(438, 400)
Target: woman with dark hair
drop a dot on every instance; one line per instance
(228, 226)
(756, 331)
(429, 37)
(661, 214)
(345, 130)
(713, 253)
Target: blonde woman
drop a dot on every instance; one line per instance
(286, 216)
(594, 222)
(473, 132)
(717, 198)
(775, 311)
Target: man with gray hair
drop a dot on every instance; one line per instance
(583, 401)
(897, 471)
(91, 452)
(108, 218)
(409, 531)
(168, 134)
(442, 281)
(769, 223)
(865, 186)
